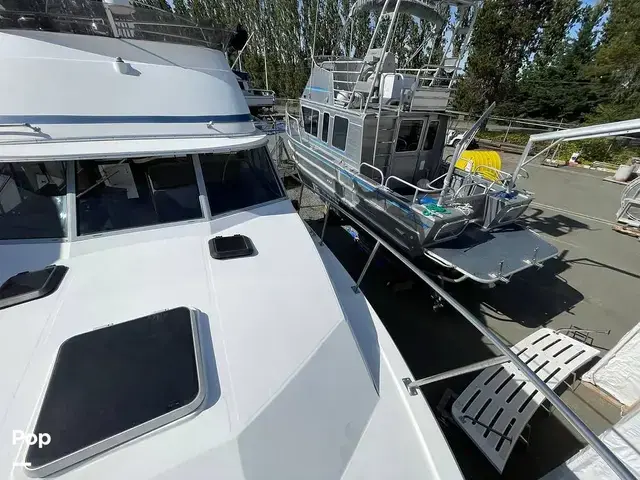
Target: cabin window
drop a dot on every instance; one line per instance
(430, 137)
(138, 192)
(325, 127)
(115, 383)
(241, 85)
(409, 136)
(310, 118)
(33, 200)
(340, 129)
(239, 179)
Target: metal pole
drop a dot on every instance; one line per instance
(474, 367)
(241, 51)
(315, 28)
(616, 465)
(523, 159)
(384, 50)
(373, 37)
(504, 140)
(324, 225)
(266, 74)
(466, 139)
(356, 287)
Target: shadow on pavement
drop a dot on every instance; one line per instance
(594, 263)
(532, 298)
(553, 225)
(433, 342)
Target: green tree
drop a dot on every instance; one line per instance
(617, 62)
(506, 35)
(180, 8)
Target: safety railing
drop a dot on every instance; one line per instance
(261, 92)
(411, 185)
(590, 437)
(93, 17)
(375, 169)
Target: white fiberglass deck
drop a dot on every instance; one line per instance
(502, 399)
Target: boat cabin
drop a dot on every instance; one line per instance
(402, 130)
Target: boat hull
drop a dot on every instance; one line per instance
(465, 249)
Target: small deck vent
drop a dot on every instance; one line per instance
(231, 247)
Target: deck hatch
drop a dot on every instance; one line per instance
(28, 286)
(233, 246)
(116, 383)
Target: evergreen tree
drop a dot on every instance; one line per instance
(506, 35)
(617, 62)
(180, 8)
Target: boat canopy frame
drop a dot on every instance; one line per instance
(613, 129)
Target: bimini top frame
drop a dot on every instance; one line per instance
(614, 129)
(441, 76)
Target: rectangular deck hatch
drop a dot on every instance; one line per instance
(233, 246)
(116, 383)
(27, 286)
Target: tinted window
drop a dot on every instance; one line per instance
(135, 193)
(239, 179)
(310, 118)
(409, 135)
(33, 200)
(430, 137)
(325, 127)
(108, 381)
(340, 128)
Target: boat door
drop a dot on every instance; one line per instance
(431, 147)
(407, 149)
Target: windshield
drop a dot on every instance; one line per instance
(130, 193)
(239, 179)
(120, 194)
(33, 200)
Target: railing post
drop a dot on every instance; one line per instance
(324, 225)
(504, 140)
(356, 287)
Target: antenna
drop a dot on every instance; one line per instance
(315, 28)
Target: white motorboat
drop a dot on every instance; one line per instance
(164, 311)
(257, 99)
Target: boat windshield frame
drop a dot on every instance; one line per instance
(248, 175)
(95, 18)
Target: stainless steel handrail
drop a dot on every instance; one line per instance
(591, 438)
(415, 187)
(365, 164)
